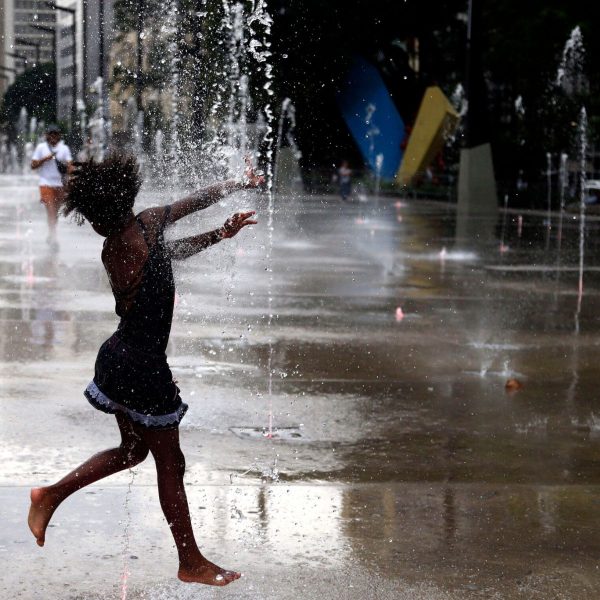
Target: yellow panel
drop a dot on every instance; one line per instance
(436, 120)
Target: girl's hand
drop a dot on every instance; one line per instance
(252, 178)
(236, 222)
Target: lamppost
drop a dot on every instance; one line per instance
(73, 13)
(24, 42)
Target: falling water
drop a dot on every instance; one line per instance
(570, 76)
(548, 197)
(459, 100)
(259, 50)
(562, 182)
(519, 107)
(237, 107)
(126, 524)
(22, 124)
(372, 133)
(503, 247)
(174, 55)
(378, 167)
(138, 134)
(97, 124)
(285, 131)
(582, 178)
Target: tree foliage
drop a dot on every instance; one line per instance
(35, 89)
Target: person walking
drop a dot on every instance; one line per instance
(52, 159)
(344, 175)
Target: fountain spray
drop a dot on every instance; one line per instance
(563, 180)
(548, 197)
(582, 177)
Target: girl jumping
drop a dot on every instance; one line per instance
(132, 378)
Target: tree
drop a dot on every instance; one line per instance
(35, 89)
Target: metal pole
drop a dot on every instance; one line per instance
(139, 55)
(101, 41)
(85, 83)
(74, 99)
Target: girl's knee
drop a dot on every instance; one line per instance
(179, 462)
(135, 453)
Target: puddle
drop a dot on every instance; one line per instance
(286, 434)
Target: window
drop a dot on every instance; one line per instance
(31, 4)
(27, 17)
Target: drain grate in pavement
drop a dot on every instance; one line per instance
(287, 434)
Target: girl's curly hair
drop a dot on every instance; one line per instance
(104, 191)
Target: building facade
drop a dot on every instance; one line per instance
(23, 43)
(77, 35)
(69, 59)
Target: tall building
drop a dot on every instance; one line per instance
(4, 76)
(89, 28)
(98, 34)
(77, 36)
(69, 59)
(21, 43)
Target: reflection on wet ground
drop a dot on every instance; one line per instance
(397, 455)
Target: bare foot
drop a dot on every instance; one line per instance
(43, 505)
(203, 571)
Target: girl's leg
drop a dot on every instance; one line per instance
(170, 467)
(45, 500)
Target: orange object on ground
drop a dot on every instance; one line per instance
(513, 385)
(52, 195)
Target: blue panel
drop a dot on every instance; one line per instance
(372, 117)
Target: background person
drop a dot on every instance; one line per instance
(49, 159)
(344, 176)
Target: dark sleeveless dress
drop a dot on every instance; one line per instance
(131, 374)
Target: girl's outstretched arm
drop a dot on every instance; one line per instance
(187, 247)
(213, 193)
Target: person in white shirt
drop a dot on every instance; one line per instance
(52, 159)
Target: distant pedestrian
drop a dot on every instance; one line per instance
(344, 176)
(53, 160)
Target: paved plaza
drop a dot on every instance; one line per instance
(399, 466)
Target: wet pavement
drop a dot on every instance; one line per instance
(399, 466)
